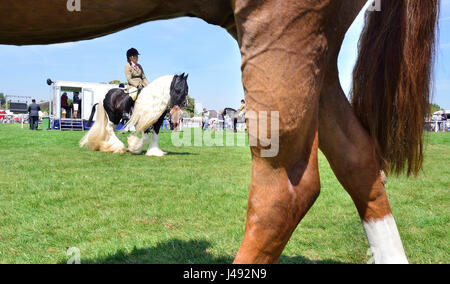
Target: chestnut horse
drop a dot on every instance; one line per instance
(289, 64)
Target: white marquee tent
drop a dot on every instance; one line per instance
(89, 93)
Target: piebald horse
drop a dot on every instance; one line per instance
(151, 106)
(233, 115)
(289, 64)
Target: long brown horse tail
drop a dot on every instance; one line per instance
(392, 80)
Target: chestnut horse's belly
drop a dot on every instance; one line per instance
(44, 22)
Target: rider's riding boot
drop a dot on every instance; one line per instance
(127, 108)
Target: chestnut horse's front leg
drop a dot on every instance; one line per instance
(283, 50)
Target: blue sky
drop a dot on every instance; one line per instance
(206, 52)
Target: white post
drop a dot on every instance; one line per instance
(50, 107)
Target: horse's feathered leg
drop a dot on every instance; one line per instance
(136, 144)
(153, 149)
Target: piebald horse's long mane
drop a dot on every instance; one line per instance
(151, 104)
(156, 98)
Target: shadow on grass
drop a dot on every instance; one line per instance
(181, 153)
(174, 153)
(177, 251)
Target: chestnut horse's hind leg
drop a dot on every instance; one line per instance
(350, 152)
(283, 50)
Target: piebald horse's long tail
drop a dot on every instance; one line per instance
(92, 115)
(101, 136)
(391, 79)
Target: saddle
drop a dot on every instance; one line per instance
(132, 92)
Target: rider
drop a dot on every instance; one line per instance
(136, 78)
(243, 108)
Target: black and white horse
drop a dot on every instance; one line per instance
(233, 115)
(150, 108)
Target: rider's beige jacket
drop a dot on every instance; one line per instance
(135, 75)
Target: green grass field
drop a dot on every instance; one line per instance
(187, 207)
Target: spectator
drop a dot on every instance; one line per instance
(221, 118)
(169, 121)
(438, 122)
(165, 122)
(205, 119)
(33, 111)
(77, 101)
(444, 121)
(65, 103)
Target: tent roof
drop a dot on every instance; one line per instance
(83, 84)
(440, 112)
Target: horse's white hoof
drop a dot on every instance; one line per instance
(155, 152)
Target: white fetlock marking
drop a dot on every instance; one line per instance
(384, 241)
(136, 144)
(154, 141)
(154, 150)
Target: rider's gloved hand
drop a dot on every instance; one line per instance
(140, 87)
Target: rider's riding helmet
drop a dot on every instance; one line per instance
(132, 52)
